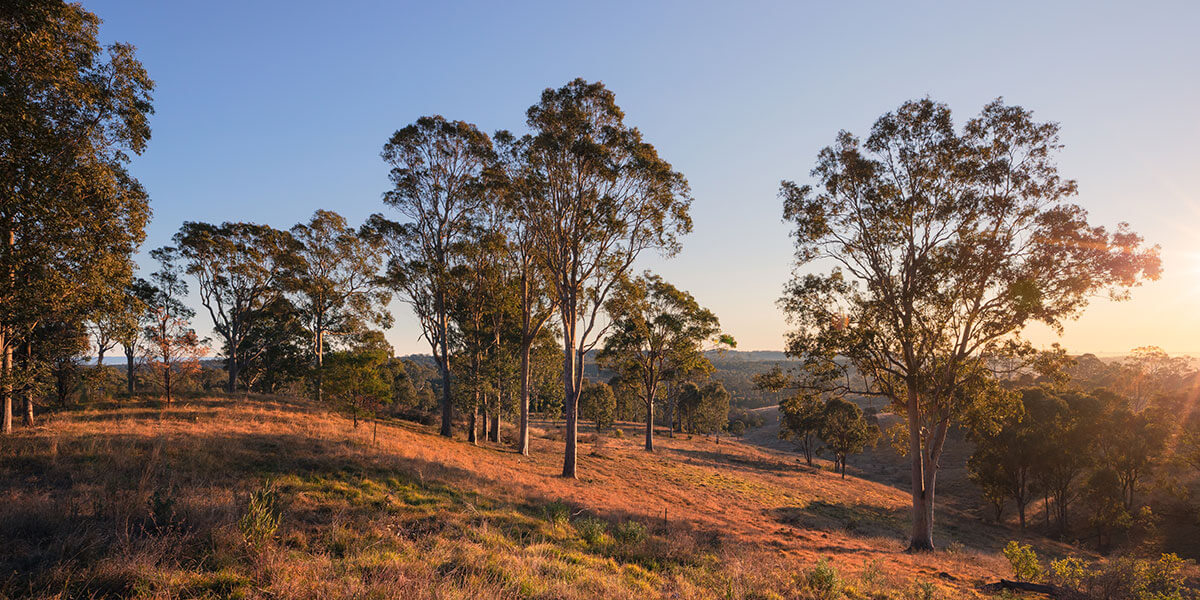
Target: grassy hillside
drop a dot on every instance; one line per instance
(140, 501)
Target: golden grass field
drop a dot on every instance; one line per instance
(140, 501)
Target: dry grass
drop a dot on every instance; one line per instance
(142, 502)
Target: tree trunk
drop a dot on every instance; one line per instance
(232, 368)
(523, 428)
(650, 425)
(670, 411)
(29, 388)
(922, 497)
(375, 430)
(447, 407)
(167, 381)
(6, 372)
(494, 435)
(472, 423)
(570, 398)
(129, 370)
(320, 362)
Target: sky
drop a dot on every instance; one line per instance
(268, 111)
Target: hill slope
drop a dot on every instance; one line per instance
(138, 501)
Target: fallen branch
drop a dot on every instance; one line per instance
(1023, 586)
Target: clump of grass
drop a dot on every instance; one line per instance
(823, 582)
(260, 520)
(593, 531)
(630, 532)
(557, 513)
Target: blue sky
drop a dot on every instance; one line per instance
(267, 111)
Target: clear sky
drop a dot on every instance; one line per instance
(267, 111)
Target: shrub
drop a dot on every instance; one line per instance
(557, 513)
(1069, 572)
(630, 532)
(922, 590)
(592, 530)
(1024, 561)
(823, 581)
(618, 433)
(261, 519)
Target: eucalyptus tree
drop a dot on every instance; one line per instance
(334, 282)
(651, 319)
(945, 244)
(602, 196)
(71, 215)
(845, 430)
(801, 416)
(239, 268)
(135, 308)
(171, 346)
(439, 187)
(535, 301)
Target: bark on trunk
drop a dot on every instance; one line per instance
(7, 392)
(232, 368)
(494, 434)
(447, 429)
(29, 389)
(570, 400)
(472, 424)
(129, 371)
(523, 428)
(649, 426)
(922, 497)
(320, 363)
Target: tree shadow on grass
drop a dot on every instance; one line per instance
(860, 519)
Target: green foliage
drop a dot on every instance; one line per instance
(260, 519)
(1069, 572)
(630, 532)
(800, 420)
(598, 403)
(557, 513)
(823, 581)
(920, 239)
(1024, 561)
(845, 431)
(359, 380)
(593, 531)
(657, 331)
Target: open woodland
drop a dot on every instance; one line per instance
(580, 427)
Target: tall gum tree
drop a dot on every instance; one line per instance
(439, 188)
(71, 216)
(650, 320)
(945, 244)
(239, 268)
(334, 282)
(536, 304)
(601, 197)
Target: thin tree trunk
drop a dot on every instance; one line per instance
(495, 425)
(523, 428)
(29, 388)
(447, 429)
(6, 372)
(232, 368)
(570, 398)
(472, 423)
(649, 426)
(129, 370)
(670, 411)
(320, 362)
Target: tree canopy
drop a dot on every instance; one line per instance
(945, 243)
